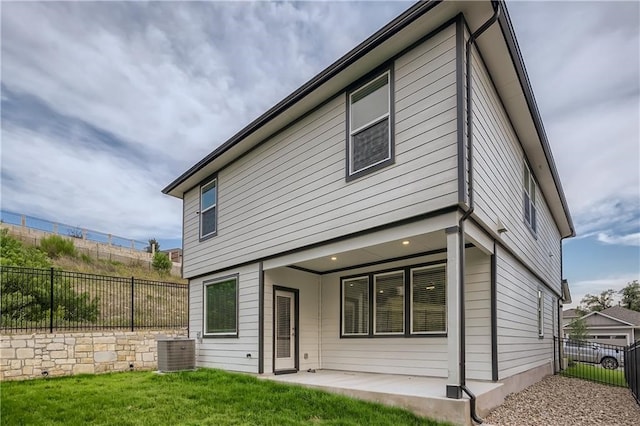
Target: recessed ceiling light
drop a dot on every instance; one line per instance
(334, 258)
(405, 243)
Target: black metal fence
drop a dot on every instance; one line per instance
(632, 369)
(52, 300)
(592, 361)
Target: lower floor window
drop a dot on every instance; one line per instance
(428, 300)
(221, 307)
(380, 299)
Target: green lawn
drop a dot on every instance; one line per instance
(596, 373)
(203, 397)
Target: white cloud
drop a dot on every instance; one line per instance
(584, 63)
(72, 183)
(171, 81)
(168, 82)
(626, 240)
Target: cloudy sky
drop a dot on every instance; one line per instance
(103, 104)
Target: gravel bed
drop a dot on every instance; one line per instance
(558, 400)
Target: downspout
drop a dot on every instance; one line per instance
(469, 211)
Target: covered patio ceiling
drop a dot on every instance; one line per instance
(400, 248)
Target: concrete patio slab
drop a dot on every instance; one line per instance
(424, 396)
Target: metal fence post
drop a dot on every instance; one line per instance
(132, 318)
(51, 302)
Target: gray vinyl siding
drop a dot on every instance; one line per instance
(291, 191)
(498, 170)
(478, 314)
(228, 353)
(519, 347)
(420, 356)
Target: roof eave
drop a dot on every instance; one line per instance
(363, 48)
(509, 34)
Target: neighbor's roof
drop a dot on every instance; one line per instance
(307, 96)
(623, 314)
(569, 313)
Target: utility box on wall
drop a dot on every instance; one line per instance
(176, 354)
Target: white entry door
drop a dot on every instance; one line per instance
(285, 330)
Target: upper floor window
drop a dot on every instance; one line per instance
(208, 208)
(370, 129)
(529, 198)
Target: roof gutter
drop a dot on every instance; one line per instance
(359, 51)
(462, 356)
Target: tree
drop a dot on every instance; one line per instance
(578, 329)
(631, 296)
(161, 263)
(153, 247)
(596, 303)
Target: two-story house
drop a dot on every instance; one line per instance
(399, 213)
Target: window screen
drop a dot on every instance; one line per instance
(221, 309)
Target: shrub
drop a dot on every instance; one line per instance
(56, 246)
(14, 253)
(25, 296)
(26, 299)
(161, 263)
(86, 258)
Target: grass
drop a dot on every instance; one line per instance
(203, 397)
(133, 268)
(596, 373)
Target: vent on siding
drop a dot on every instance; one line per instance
(176, 354)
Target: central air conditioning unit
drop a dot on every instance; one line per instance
(176, 354)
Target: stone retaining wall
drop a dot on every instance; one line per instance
(37, 355)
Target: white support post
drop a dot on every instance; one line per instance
(453, 312)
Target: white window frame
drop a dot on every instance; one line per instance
(215, 281)
(375, 304)
(529, 196)
(540, 312)
(376, 120)
(345, 281)
(211, 207)
(440, 266)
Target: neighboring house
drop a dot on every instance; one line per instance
(569, 316)
(358, 225)
(613, 326)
